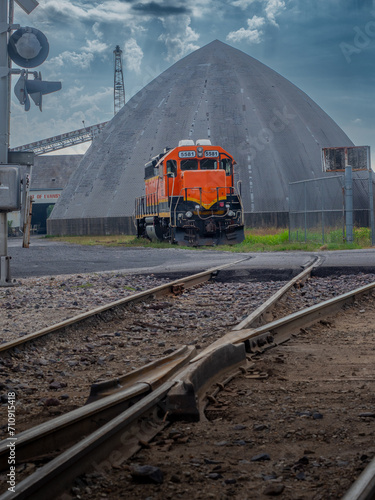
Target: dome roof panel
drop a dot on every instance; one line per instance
(272, 128)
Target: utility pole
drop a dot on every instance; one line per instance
(4, 135)
(28, 48)
(118, 87)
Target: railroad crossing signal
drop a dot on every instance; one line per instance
(27, 5)
(28, 48)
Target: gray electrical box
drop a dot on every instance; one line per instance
(10, 188)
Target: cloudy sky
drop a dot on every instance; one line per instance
(325, 47)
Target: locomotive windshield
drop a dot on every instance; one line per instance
(208, 164)
(189, 164)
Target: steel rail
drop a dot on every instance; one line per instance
(291, 324)
(140, 420)
(280, 330)
(364, 487)
(257, 316)
(57, 434)
(168, 288)
(53, 477)
(103, 388)
(63, 431)
(121, 437)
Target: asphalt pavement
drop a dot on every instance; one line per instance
(45, 257)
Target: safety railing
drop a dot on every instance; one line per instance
(147, 205)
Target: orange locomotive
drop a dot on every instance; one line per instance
(190, 197)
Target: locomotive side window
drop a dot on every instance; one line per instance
(208, 164)
(226, 164)
(171, 168)
(189, 164)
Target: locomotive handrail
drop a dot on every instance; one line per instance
(140, 206)
(152, 204)
(175, 208)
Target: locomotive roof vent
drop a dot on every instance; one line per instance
(186, 142)
(203, 142)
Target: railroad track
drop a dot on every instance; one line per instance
(128, 411)
(175, 287)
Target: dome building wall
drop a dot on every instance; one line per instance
(273, 129)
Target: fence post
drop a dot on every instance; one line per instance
(289, 208)
(371, 206)
(349, 203)
(305, 196)
(322, 191)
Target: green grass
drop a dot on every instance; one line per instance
(256, 240)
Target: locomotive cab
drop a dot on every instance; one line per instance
(190, 197)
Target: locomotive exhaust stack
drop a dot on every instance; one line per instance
(190, 197)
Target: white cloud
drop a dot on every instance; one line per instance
(113, 11)
(243, 4)
(82, 59)
(254, 31)
(66, 58)
(272, 9)
(202, 8)
(96, 30)
(93, 101)
(252, 34)
(96, 47)
(133, 55)
(178, 37)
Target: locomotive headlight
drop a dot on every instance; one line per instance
(189, 214)
(231, 213)
(200, 151)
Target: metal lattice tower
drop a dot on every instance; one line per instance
(119, 89)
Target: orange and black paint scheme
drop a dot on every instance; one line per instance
(190, 197)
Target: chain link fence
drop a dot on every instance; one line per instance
(317, 211)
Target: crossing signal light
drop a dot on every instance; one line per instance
(28, 47)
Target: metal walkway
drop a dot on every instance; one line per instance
(62, 141)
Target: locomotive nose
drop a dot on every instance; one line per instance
(205, 187)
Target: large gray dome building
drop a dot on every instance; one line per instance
(272, 128)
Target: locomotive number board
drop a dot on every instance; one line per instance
(186, 154)
(211, 154)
